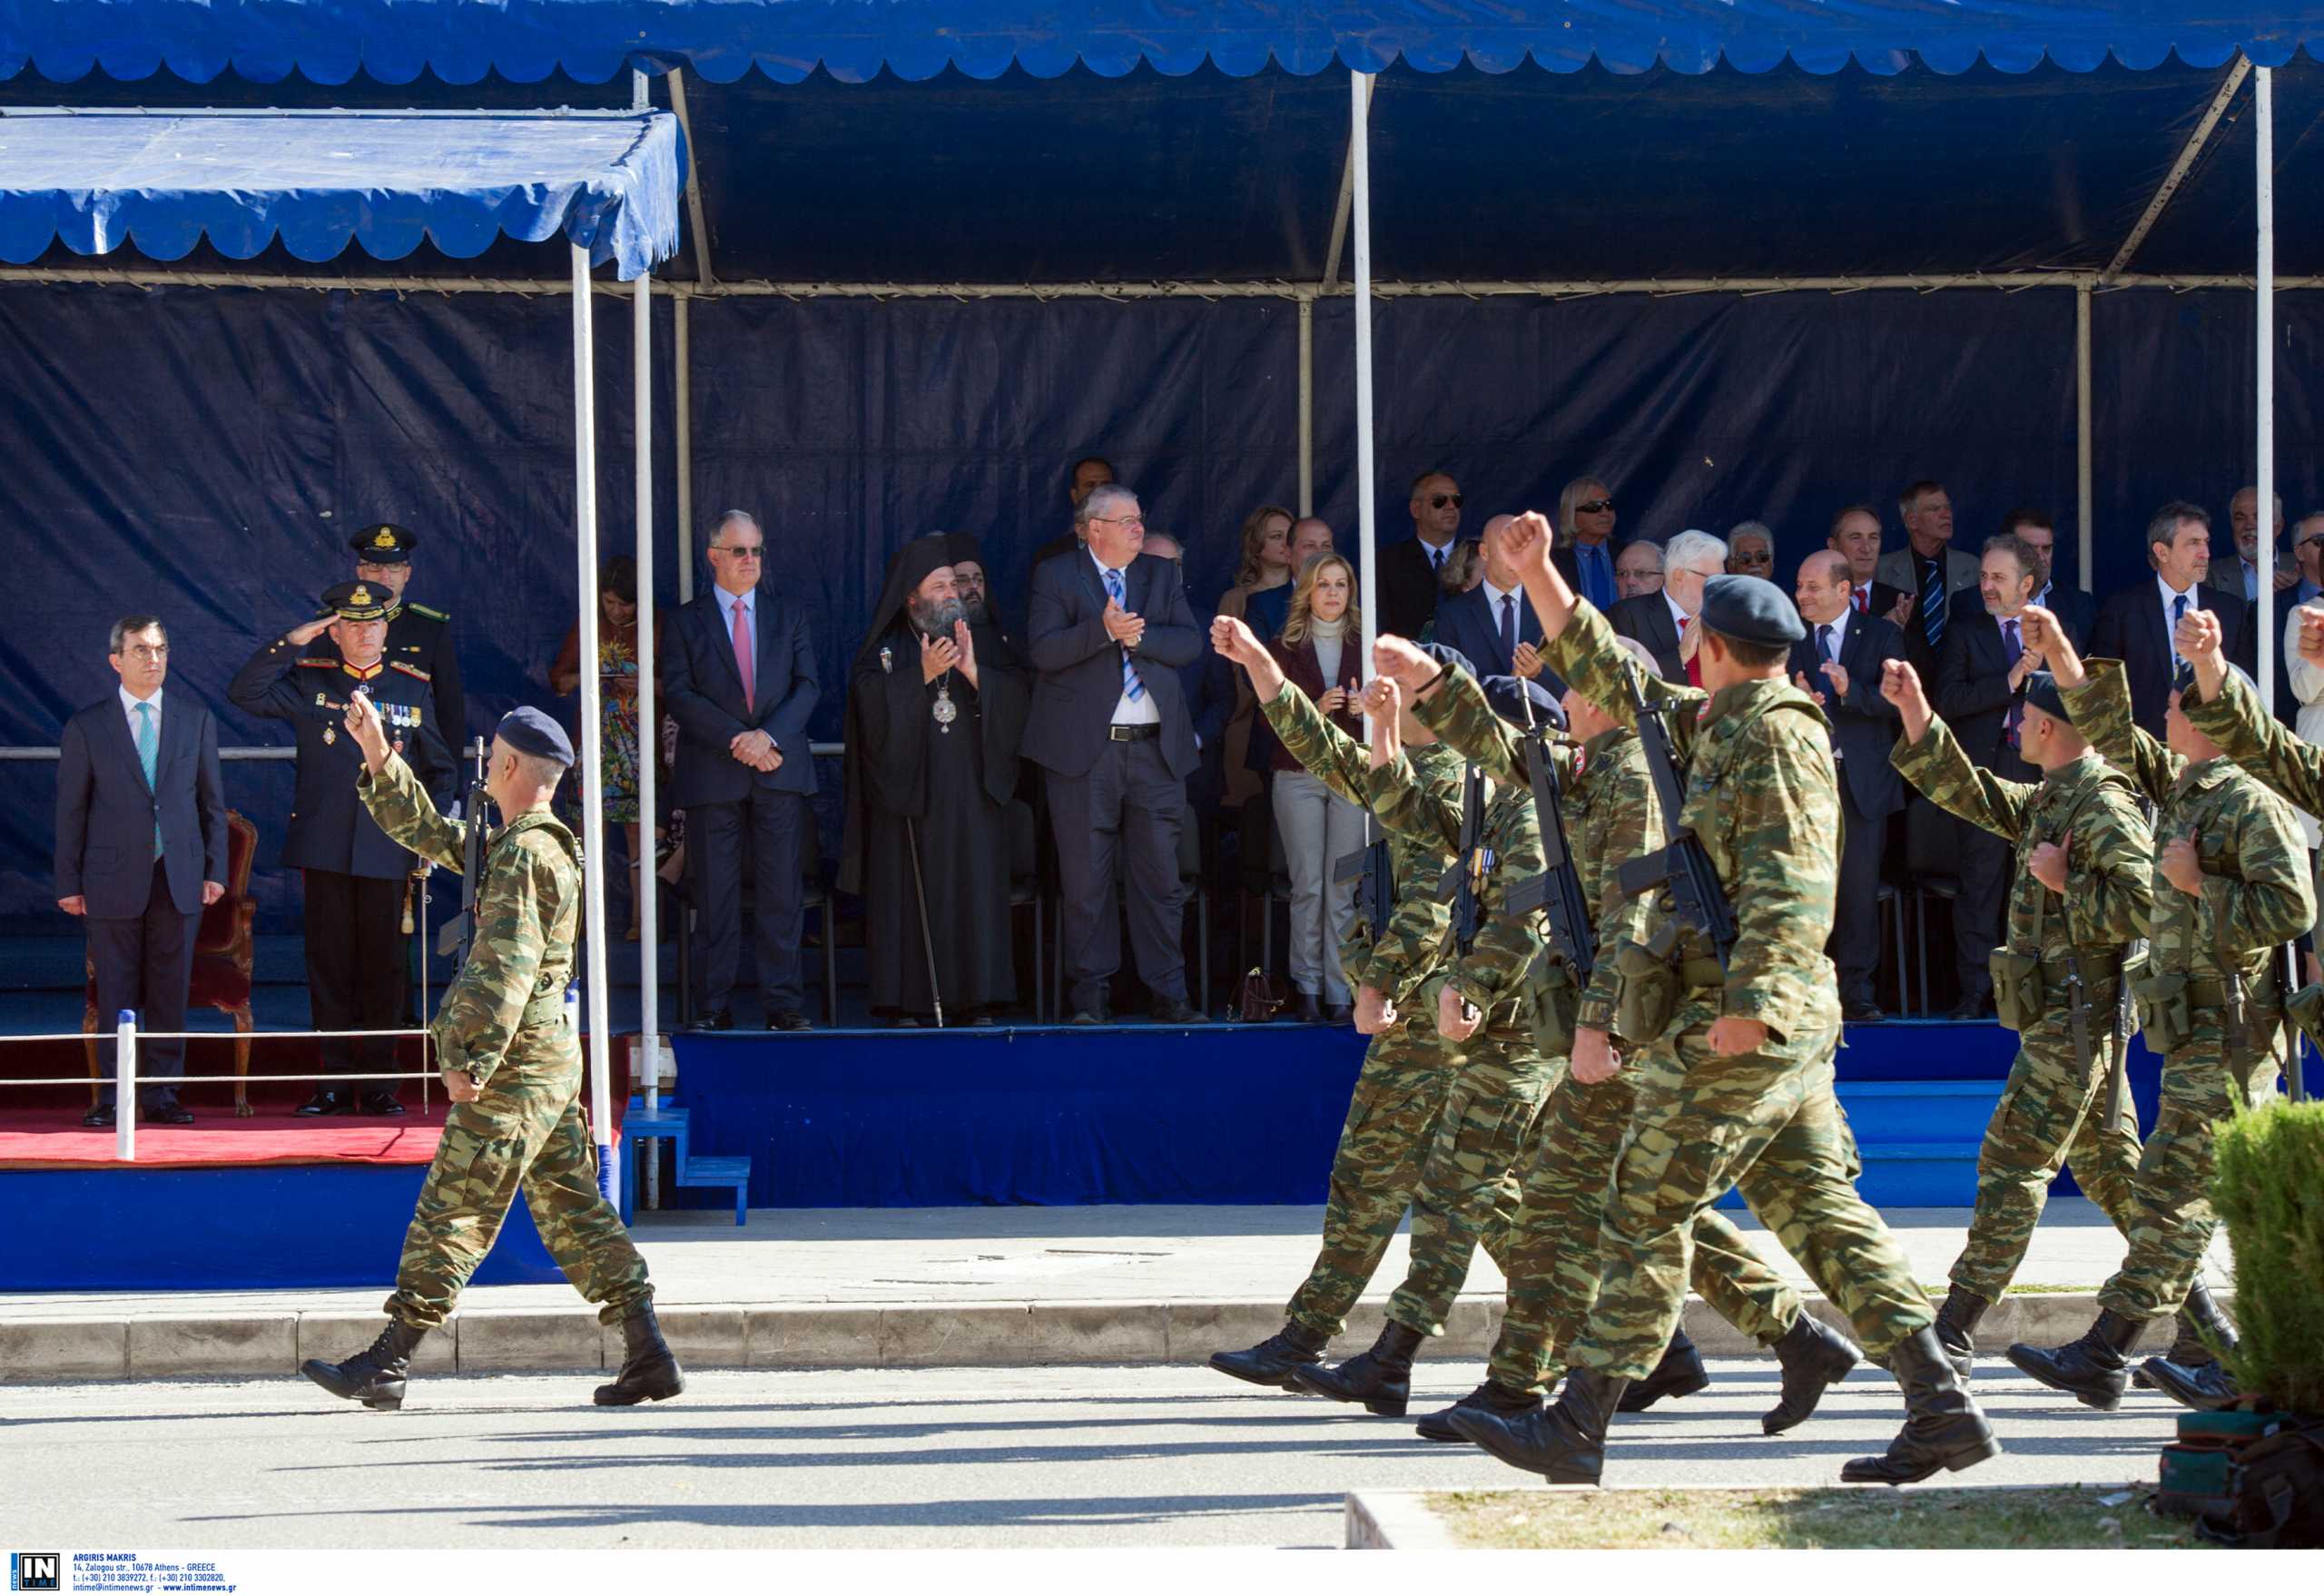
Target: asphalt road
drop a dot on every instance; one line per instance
(1074, 1457)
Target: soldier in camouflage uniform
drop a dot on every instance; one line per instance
(1399, 1099)
(512, 1066)
(1484, 1015)
(1553, 1256)
(1739, 1090)
(2081, 894)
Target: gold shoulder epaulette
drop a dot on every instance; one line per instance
(396, 665)
(433, 615)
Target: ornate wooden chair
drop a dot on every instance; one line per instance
(222, 953)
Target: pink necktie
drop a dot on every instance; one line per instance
(742, 651)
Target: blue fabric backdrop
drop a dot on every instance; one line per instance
(203, 454)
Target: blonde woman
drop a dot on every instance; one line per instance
(1264, 574)
(1321, 653)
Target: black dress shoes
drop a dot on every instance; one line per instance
(1178, 1012)
(1977, 1007)
(721, 1020)
(1306, 1010)
(168, 1112)
(321, 1103)
(1862, 1013)
(1339, 1014)
(789, 1019)
(1091, 1017)
(98, 1119)
(382, 1104)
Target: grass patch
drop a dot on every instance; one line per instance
(1974, 1517)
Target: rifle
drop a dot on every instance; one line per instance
(1374, 872)
(457, 937)
(1557, 890)
(2295, 1062)
(2134, 954)
(2078, 1017)
(1680, 867)
(1464, 878)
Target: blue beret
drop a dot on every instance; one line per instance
(2041, 692)
(1507, 694)
(529, 731)
(1750, 609)
(1452, 659)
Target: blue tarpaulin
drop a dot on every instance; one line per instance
(93, 181)
(461, 40)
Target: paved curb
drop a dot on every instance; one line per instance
(829, 1335)
(1395, 1521)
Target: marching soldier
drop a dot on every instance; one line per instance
(1484, 1014)
(1735, 986)
(2080, 894)
(512, 1065)
(354, 873)
(1399, 1099)
(418, 637)
(1551, 1263)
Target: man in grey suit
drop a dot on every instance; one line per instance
(738, 677)
(1929, 568)
(1109, 629)
(141, 851)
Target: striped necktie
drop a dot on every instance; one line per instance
(1932, 601)
(148, 753)
(1132, 688)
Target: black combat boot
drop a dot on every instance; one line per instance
(1814, 1356)
(1490, 1398)
(649, 1369)
(1565, 1444)
(1942, 1428)
(1957, 1328)
(1272, 1361)
(2093, 1370)
(1380, 1379)
(2189, 1373)
(374, 1376)
(1679, 1374)
(2205, 1387)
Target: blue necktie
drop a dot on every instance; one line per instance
(1132, 688)
(1596, 580)
(1932, 601)
(2178, 613)
(2011, 647)
(1824, 642)
(149, 752)
(1509, 627)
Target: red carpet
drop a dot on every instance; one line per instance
(54, 1139)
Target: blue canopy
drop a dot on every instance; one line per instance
(93, 181)
(460, 41)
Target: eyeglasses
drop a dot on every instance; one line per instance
(1137, 521)
(142, 651)
(1595, 507)
(741, 551)
(1439, 500)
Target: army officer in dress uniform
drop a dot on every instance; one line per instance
(354, 875)
(417, 634)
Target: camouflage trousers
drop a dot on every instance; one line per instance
(2048, 1117)
(1770, 1127)
(1553, 1254)
(1468, 1189)
(1391, 1121)
(526, 1132)
(2173, 1219)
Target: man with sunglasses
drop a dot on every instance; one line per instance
(1408, 570)
(1585, 551)
(741, 682)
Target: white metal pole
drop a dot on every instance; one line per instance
(2264, 107)
(1359, 220)
(593, 816)
(681, 375)
(649, 725)
(124, 1086)
(2082, 442)
(1307, 404)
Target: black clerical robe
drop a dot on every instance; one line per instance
(950, 791)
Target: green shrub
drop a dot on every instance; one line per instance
(2270, 1192)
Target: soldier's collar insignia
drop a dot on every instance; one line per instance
(362, 672)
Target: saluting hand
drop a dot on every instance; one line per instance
(300, 636)
(363, 721)
(2047, 863)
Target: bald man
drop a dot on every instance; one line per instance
(1839, 661)
(1491, 621)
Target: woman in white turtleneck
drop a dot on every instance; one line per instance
(1321, 651)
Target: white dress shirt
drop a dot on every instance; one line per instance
(2194, 597)
(1127, 711)
(1493, 596)
(129, 703)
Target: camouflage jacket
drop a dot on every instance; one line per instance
(2108, 899)
(1764, 799)
(527, 917)
(1609, 812)
(2248, 735)
(2256, 888)
(1490, 976)
(1418, 935)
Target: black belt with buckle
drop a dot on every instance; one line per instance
(1132, 733)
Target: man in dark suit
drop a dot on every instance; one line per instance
(1979, 677)
(2135, 625)
(1662, 620)
(355, 877)
(1407, 582)
(741, 681)
(1489, 621)
(1855, 537)
(1090, 472)
(2075, 610)
(1585, 552)
(1840, 662)
(1930, 568)
(141, 851)
(1110, 631)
